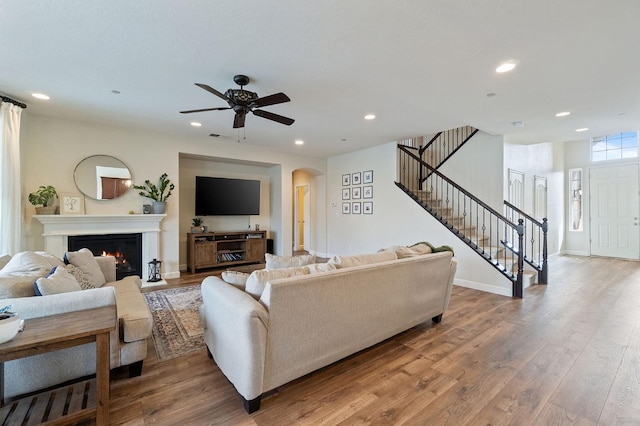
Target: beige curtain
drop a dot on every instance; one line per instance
(10, 185)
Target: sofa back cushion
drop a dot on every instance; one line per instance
(27, 261)
(362, 259)
(4, 260)
(59, 281)
(280, 262)
(258, 279)
(235, 278)
(86, 262)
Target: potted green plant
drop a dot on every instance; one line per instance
(196, 225)
(158, 193)
(43, 199)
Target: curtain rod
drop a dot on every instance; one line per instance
(13, 101)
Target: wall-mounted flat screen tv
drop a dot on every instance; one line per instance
(227, 197)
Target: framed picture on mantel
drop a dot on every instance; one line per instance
(71, 203)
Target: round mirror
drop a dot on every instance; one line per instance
(102, 177)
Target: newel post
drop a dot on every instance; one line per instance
(543, 275)
(517, 286)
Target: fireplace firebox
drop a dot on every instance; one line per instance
(126, 248)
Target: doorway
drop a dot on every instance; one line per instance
(302, 218)
(614, 208)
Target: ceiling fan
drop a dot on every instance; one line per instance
(243, 102)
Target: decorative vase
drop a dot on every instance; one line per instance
(159, 207)
(197, 229)
(46, 210)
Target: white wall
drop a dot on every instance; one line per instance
(51, 148)
(398, 220)
(545, 160)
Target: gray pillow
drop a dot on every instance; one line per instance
(86, 262)
(60, 281)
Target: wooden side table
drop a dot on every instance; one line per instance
(62, 331)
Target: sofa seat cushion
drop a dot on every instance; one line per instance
(130, 284)
(258, 280)
(86, 261)
(59, 281)
(134, 317)
(280, 262)
(362, 259)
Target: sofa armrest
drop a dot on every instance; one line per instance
(108, 266)
(40, 306)
(236, 334)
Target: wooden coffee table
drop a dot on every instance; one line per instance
(53, 333)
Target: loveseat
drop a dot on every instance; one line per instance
(280, 325)
(27, 272)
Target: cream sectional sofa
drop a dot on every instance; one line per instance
(128, 342)
(263, 335)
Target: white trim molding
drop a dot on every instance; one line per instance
(57, 229)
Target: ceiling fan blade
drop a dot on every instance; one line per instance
(238, 121)
(277, 98)
(205, 109)
(212, 90)
(275, 117)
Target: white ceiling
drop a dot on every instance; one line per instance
(419, 65)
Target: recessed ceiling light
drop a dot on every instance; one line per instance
(196, 124)
(582, 129)
(299, 142)
(490, 95)
(115, 92)
(518, 123)
(563, 114)
(506, 67)
(369, 116)
(40, 96)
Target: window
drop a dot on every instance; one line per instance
(614, 147)
(575, 199)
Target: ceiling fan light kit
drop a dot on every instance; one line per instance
(243, 102)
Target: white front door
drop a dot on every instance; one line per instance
(614, 211)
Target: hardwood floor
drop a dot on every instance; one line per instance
(568, 353)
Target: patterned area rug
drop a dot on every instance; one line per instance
(176, 321)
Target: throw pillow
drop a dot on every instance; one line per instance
(85, 260)
(80, 277)
(362, 259)
(236, 279)
(258, 280)
(59, 281)
(280, 262)
(4, 260)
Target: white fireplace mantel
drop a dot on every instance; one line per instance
(57, 229)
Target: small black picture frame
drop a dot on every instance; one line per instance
(346, 180)
(367, 176)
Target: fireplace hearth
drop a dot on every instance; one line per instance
(126, 248)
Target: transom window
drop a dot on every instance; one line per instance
(614, 147)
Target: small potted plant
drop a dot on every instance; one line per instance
(43, 199)
(158, 193)
(196, 225)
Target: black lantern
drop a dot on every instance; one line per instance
(154, 271)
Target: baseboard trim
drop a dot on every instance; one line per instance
(171, 275)
(502, 291)
(575, 253)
